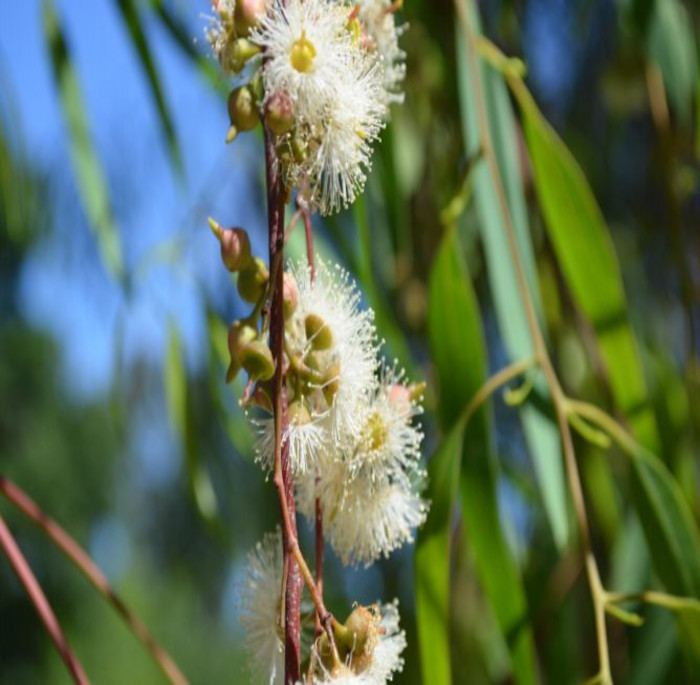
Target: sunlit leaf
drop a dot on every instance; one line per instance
(541, 435)
(91, 182)
(585, 252)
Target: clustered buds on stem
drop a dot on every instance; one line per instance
(320, 75)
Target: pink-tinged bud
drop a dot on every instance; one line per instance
(279, 112)
(235, 246)
(290, 294)
(248, 14)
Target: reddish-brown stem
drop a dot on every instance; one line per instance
(77, 555)
(319, 557)
(41, 604)
(283, 475)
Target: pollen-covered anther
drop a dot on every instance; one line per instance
(302, 54)
(375, 432)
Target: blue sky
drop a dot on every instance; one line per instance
(64, 288)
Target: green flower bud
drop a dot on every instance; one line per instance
(317, 332)
(256, 359)
(239, 335)
(252, 281)
(359, 636)
(242, 112)
(331, 382)
(241, 51)
(298, 414)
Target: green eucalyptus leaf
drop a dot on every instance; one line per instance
(460, 359)
(91, 182)
(540, 433)
(133, 21)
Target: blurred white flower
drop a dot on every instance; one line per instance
(370, 520)
(382, 36)
(260, 598)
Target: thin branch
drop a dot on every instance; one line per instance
(661, 599)
(77, 555)
(38, 598)
(498, 380)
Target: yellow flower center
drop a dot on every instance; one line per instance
(375, 432)
(302, 54)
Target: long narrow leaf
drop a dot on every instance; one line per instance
(133, 20)
(540, 433)
(460, 359)
(91, 182)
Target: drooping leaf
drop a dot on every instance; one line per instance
(133, 21)
(177, 394)
(669, 528)
(460, 360)
(671, 44)
(90, 179)
(582, 243)
(540, 434)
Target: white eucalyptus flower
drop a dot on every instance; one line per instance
(388, 444)
(338, 163)
(260, 598)
(308, 48)
(339, 339)
(307, 438)
(382, 36)
(371, 520)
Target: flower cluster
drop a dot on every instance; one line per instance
(369, 643)
(352, 440)
(321, 74)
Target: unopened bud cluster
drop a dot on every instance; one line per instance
(321, 75)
